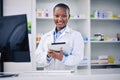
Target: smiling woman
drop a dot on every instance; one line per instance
(61, 15)
(60, 60)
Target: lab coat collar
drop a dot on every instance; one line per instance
(67, 30)
(51, 36)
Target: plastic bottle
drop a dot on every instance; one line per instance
(97, 14)
(46, 13)
(38, 37)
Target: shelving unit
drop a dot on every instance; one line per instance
(88, 26)
(109, 26)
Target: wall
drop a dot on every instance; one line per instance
(14, 7)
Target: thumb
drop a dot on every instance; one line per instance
(61, 49)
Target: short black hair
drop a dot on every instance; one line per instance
(62, 5)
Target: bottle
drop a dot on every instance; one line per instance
(111, 59)
(46, 13)
(40, 13)
(38, 37)
(96, 13)
(118, 36)
(102, 37)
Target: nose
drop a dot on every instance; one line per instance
(60, 18)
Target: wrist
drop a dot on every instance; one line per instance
(48, 58)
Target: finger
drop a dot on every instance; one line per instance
(49, 51)
(50, 56)
(61, 49)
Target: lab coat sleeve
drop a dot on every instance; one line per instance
(41, 55)
(77, 51)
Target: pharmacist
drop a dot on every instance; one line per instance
(60, 60)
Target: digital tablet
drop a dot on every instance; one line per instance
(57, 46)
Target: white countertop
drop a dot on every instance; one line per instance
(56, 75)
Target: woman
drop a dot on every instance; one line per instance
(58, 60)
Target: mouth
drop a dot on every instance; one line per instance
(60, 23)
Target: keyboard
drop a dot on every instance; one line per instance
(3, 75)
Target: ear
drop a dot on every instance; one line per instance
(69, 16)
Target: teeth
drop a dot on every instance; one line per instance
(60, 23)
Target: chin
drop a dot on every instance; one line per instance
(61, 27)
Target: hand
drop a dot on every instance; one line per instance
(55, 54)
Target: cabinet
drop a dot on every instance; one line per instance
(84, 19)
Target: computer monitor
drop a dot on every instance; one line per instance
(1, 14)
(14, 42)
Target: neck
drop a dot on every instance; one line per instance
(58, 29)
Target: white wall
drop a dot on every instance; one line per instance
(15, 7)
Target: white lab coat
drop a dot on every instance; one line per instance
(75, 41)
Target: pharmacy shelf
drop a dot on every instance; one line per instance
(105, 41)
(85, 24)
(105, 64)
(86, 64)
(105, 19)
(50, 18)
(42, 18)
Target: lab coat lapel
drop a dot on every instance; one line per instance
(51, 37)
(67, 30)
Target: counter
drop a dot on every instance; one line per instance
(56, 75)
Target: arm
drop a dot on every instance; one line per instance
(41, 53)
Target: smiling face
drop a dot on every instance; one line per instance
(61, 17)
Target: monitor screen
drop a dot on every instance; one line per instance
(14, 43)
(1, 14)
(1, 8)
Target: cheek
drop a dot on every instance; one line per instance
(55, 20)
(66, 20)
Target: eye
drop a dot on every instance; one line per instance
(56, 16)
(64, 16)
